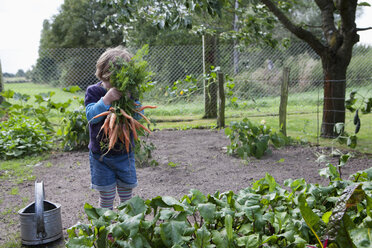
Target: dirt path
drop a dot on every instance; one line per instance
(198, 161)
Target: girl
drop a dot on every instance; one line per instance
(116, 170)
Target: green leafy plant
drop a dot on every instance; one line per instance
(343, 137)
(41, 110)
(21, 135)
(74, 125)
(365, 107)
(263, 215)
(248, 139)
(143, 152)
(74, 129)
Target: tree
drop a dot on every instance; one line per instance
(335, 50)
(20, 73)
(77, 25)
(333, 44)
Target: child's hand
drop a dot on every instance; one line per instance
(112, 95)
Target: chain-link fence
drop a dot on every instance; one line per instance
(185, 82)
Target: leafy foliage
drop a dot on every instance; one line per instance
(74, 129)
(74, 125)
(265, 214)
(28, 129)
(131, 78)
(41, 110)
(21, 135)
(247, 139)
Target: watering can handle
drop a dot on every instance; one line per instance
(39, 209)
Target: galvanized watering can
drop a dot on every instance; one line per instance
(41, 220)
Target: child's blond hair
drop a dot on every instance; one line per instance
(111, 55)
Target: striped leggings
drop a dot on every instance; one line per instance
(106, 198)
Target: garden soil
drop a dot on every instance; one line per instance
(189, 159)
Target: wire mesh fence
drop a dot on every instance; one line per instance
(253, 85)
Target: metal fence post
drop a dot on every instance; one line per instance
(221, 101)
(283, 102)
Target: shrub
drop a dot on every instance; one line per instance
(249, 140)
(74, 130)
(21, 135)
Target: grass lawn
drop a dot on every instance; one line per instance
(303, 120)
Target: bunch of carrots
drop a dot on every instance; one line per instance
(118, 125)
(131, 79)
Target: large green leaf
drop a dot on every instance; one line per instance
(131, 224)
(203, 238)
(91, 211)
(219, 239)
(352, 195)
(80, 242)
(361, 237)
(207, 211)
(172, 232)
(135, 206)
(250, 241)
(309, 216)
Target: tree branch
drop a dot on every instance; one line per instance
(363, 29)
(348, 25)
(301, 33)
(330, 31)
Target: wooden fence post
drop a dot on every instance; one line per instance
(283, 102)
(1, 83)
(221, 101)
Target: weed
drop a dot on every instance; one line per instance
(172, 164)
(25, 200)
(48, 165)
(11, 240)
(20, 169)
(14, 191)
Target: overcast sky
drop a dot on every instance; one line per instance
(21, 22)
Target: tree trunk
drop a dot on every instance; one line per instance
(210, 92)
(334, 95)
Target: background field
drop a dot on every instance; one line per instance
(303, 120)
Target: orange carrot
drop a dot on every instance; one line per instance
(112, 140)
(102, 114)
(112, 121)
(133, 127)
(145, 107)
(121, 135)
(125, 114)
(142, 126)
(126, 135)
(144, 117)
(105, 126)
(114, 137)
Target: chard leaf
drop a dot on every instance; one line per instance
(90, 211)
(250, 241)
(203, 237)
(207, 211)
(352, 195)
(309, 216)
(361, 237)
(172, 232)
